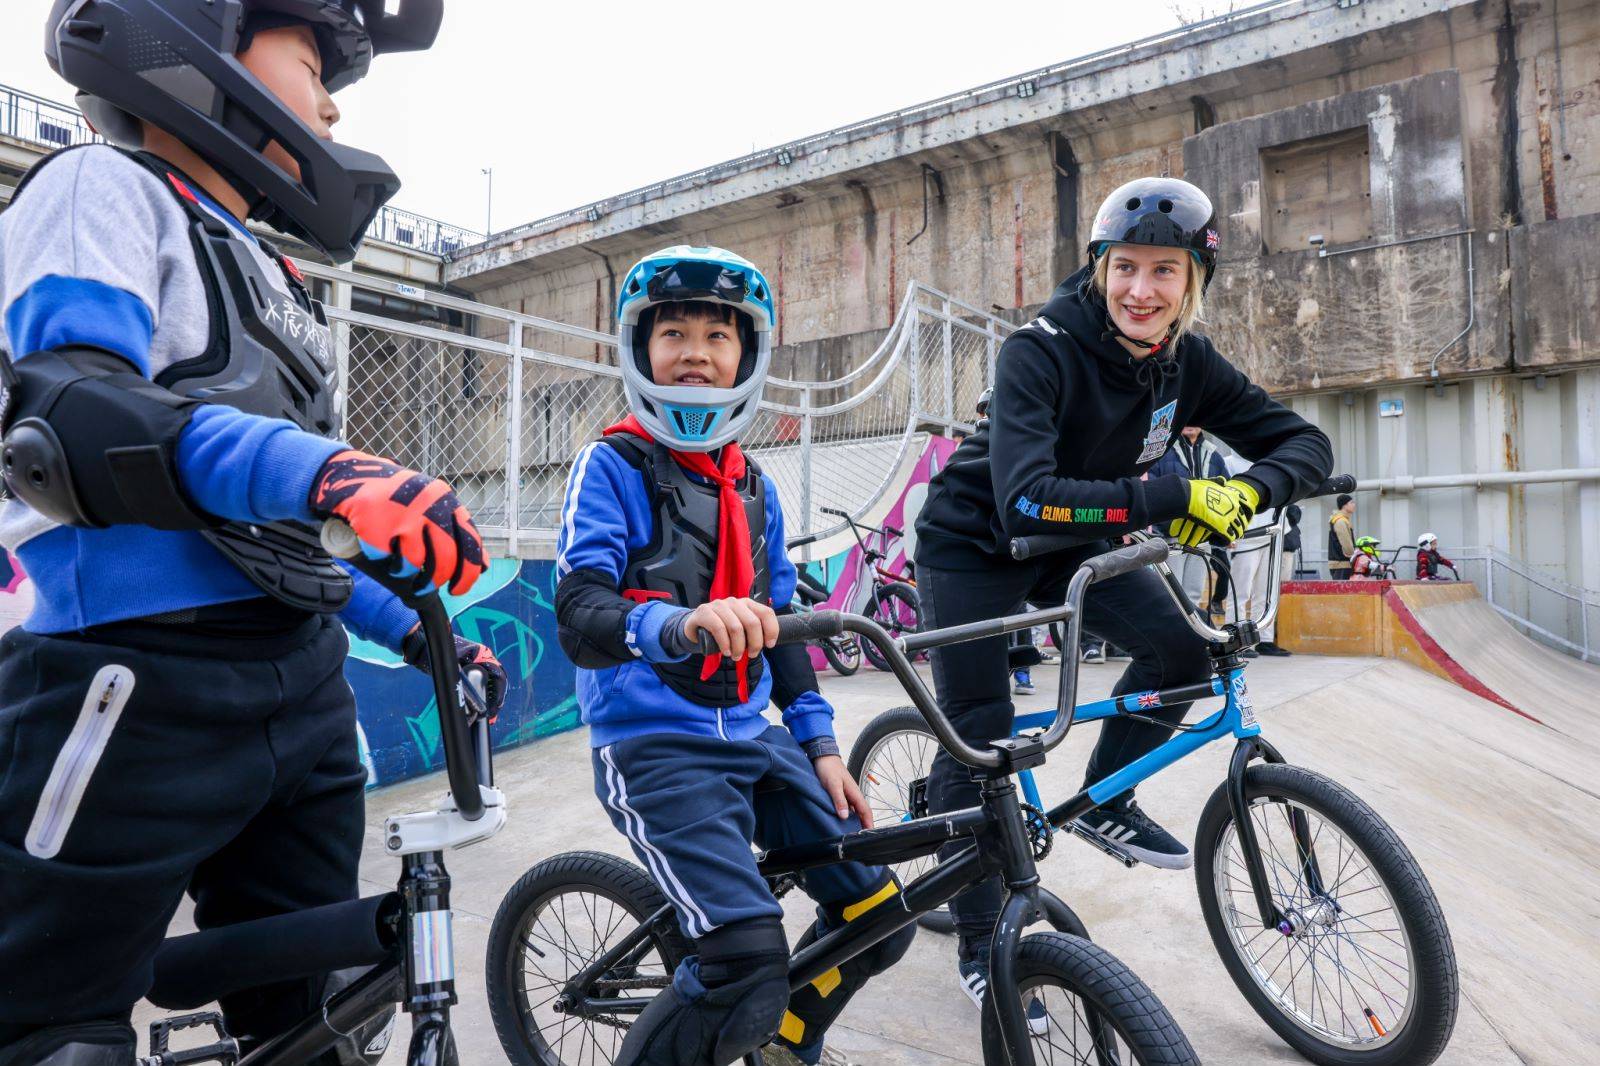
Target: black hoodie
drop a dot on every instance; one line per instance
(1075, 420)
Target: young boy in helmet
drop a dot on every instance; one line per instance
(1366, 564)
(173, 714)
(1429, 558)
(1088, 396)
(669, 532)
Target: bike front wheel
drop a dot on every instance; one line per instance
(559, 917)
(1361, 972)
(897, 608)
(844, 655)
(1085, 1007)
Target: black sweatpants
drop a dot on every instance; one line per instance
(223, 767)
(1132, 612)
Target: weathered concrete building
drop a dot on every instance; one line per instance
(1409, 202)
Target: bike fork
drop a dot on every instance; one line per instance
(429, 959)
(1247, 749)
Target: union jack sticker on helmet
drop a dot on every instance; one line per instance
(1212, 240)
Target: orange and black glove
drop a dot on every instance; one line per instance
(410, 519)
(470, 655)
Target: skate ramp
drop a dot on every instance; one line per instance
(1559, 690)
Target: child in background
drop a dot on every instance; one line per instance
(1428, 558)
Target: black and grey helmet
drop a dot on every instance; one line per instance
(1161, 212)
(173, 63)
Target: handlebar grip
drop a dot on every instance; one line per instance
(1336, 485)
(893, 532)
(339, 540)
(1126, 559)
(833, 511)
(1042, 544)
(800, 542)
(817, 625)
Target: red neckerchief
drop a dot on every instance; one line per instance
(735, 571)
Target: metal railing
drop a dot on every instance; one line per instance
(51, 125)
(502, 408)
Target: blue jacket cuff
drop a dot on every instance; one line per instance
(288, 463)
(392, 622)
(808, 717)
(642, 632)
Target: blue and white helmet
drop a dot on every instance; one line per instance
(693, 418)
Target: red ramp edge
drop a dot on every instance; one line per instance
(1430, 647)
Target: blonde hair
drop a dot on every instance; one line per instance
(1192, 309)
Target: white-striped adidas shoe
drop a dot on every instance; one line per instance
(975, 983)
(1136, 833)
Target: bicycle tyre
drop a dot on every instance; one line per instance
(1116, 1003)
(605, 876)
(882, 731)
(845, 658)
(898, 609)
(1433, 999)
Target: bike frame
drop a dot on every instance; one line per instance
(996, 830)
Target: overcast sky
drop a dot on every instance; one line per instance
(573, 102)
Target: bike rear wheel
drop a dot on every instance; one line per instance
(1363, 972)
(559, 917)
(890, 760)
(1095, 1011)
(897, 608)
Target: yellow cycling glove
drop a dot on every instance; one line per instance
(1219, 511)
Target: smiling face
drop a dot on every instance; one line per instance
(695, 346)
(287, 61)
(1145, 287)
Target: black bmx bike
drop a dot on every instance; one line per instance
(403, 937)
(584, 940)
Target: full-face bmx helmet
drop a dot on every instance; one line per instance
(694, 418)
(1368, 545)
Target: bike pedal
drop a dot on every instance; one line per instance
(1100, 842)
(224, 1050)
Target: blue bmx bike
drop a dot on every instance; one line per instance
(1322, 917)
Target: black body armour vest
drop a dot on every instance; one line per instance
(268, 354)
(679, 562)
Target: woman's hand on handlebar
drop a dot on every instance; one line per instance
(842, 789)
(1219, 512)
(741, 627)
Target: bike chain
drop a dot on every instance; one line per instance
(1041, 834)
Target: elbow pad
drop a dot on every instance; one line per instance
(592, 621)
(90, 442)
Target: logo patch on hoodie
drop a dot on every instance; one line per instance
(1155, 441)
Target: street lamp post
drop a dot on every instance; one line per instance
(488, 210)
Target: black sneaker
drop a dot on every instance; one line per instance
(1267, 647)
(1094, 653)
(1136, 833)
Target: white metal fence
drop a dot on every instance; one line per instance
(500, 407)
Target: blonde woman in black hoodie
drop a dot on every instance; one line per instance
(1086, 398)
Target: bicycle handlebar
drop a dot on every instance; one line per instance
(461, 751)
(800, 542)
(1334, 486)
(835, 512)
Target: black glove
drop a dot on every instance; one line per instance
(470, 655)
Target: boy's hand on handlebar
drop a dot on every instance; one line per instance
(741, 627)
(1219, 511)
(413, 520)
(842, 789)
(470, 655)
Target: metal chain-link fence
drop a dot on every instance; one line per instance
(501, 407)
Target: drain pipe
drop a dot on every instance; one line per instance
(1472, 312)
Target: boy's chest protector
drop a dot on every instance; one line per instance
(269, 353)
(678, 564)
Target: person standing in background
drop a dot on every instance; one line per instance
(1341, 538)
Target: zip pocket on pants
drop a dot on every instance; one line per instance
(76, 762)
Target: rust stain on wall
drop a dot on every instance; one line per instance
(1016, 219)
(1547, 169)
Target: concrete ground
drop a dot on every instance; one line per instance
(1502, 814)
